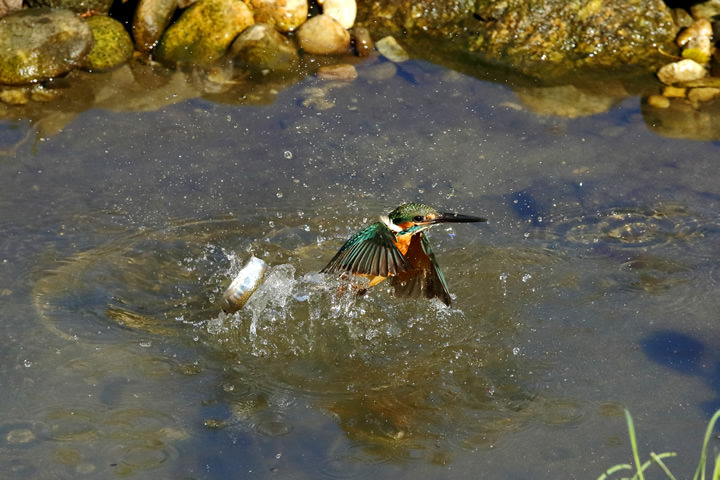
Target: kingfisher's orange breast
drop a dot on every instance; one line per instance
(403, 243)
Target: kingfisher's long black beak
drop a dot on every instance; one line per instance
(457, 218)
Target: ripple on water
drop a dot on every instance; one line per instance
(667, 250)
(397, 376)
(631, 226)
(22, 434)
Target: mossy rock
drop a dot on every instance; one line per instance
(113, 46)
(203, 33)
(41, 43)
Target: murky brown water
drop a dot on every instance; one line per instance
(592, 289)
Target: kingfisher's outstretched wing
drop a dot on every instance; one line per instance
(425, 278)
(370, 251)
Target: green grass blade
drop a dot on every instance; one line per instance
(613, 469)
(703, 455)
(633, 443)
(658, 459)
(716, 471)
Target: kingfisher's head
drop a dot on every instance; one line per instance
(412, 218)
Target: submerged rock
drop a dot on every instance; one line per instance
(203, 33)
(113, 45)
(342, 71)
(323, 35)
(261, 48)
(41, 43)
(150, 21)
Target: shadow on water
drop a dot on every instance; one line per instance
(687, 355)
(404, 380)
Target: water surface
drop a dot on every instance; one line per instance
(591, 289)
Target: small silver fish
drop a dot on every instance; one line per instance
(243, 285)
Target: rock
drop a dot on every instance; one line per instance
(674, 92)
(203, 33)
(150, 20)
(261, 48)
(538, 37)
(380, 71)
(696, 41)
(112, 47)
(78, 6)
(702, 94)
(570, 101)
(712, 82)
(391, 49)
(574, 33)
(444, 18)
(344, 11)
(682, 71)
(14, 95)
(362, 41)
(681, 17)
(9, 6)
(682, 120)
(323, 35)
(41, 43)
(708, 9)
(284, 15)
(39, 93)
(341, 71)
(658, 101)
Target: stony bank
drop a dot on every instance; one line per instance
(42, 41)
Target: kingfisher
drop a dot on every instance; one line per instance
(397, 248)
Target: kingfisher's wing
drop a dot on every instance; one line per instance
(425, 278)
(371, 251)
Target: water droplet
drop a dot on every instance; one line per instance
(27, 363)
(279, 194)
(287, 154)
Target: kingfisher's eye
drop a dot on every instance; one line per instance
(418, 218)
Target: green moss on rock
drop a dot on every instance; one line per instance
(203, 33)
(113, 45)
(41, 43)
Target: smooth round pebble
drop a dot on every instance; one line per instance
(323, 35)
(341, 71)
(658, 101)
(682, 71)
(344, 11)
